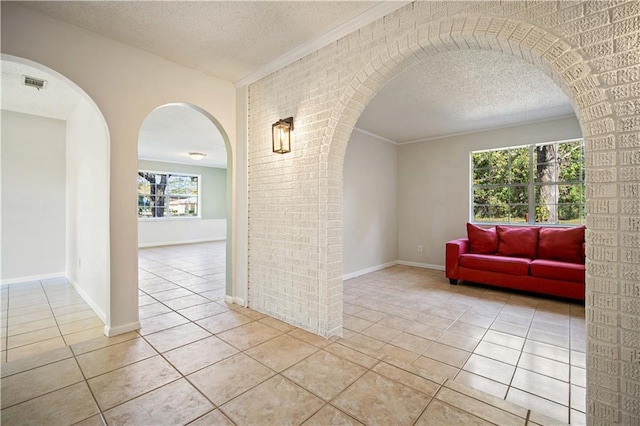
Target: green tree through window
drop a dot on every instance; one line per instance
(167, 195)
(541, 183)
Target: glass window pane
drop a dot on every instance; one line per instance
(499, 213)
(480, 160)
(501, 180)
(481, 213)
(518, 213)
(569, 214)
(544, 213)
(546, 173)
(519, 194)
(519, 169)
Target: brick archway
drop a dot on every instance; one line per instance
(590, 48)
(560, 61)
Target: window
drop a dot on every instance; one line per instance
(164, 195)
(541, 183)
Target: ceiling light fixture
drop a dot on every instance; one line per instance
(282, 135)
(197, 155)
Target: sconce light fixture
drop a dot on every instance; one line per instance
(197, 155)
(282, 135)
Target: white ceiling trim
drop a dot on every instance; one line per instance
(375, 12)
(450, 135)
(382, 138)
(183, 163)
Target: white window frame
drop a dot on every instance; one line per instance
(531, 185)
(170, 217)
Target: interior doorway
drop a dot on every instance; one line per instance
(55, 209)
(184, 205)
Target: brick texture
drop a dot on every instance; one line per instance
(590, 49)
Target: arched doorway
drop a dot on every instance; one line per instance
(70, 205)
(184, 196)
(558, 60)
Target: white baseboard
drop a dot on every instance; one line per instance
(121, 329)
(32, 278)
(178, 243)
(87, 299)
(421, 265)
(235, 300)
(369, 270)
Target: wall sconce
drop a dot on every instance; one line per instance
(282, 135)
(197, 155)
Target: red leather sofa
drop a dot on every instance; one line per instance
(545, 260)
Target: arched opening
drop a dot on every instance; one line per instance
(184, 210)
(557, 61)
(55, 202)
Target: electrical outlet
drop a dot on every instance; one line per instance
(419, 249)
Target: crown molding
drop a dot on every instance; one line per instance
(373, 135)
(488, 129)
(381, 9)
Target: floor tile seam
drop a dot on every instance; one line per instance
(84, 377)
(123, 367)
(36, 342)
(352, 383)
(38, 366)
(332, 399)
(55, 319)
(541, 397)
(546, 375)
(182, 376)
(215, 408)
(83, 380)
(408, 372)
(432, 398)
(546, 357)
(102, 412)
(101, 347)
(220, 407)
(492, 405)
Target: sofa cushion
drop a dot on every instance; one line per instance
(555, 270)
(517, 241)
(494, 263)
(482, 240)
(563, 244)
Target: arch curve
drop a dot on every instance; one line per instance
(227, 143)
(537, 46)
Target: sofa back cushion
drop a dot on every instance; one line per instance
(563, 244)
(517, 241)
(482, 240)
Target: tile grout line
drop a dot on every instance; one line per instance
(435, 394)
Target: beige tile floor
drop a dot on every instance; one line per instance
(39, 316)
(414, 349)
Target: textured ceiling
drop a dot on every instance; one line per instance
(170, 132)
(227, 39)
(56, 100)
(455, 92)
(459, 92)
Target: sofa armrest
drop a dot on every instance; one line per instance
(454, 249)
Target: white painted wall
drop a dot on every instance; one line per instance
(109, 72)
(88, 206)
(152, 233)
(33, 197)
(369, 204)
(433, 184)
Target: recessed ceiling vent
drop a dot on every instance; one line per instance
(34, 82)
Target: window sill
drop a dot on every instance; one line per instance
(167, 219)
